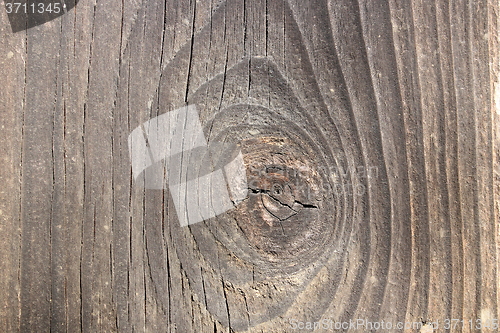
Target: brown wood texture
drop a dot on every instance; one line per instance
(376, 116)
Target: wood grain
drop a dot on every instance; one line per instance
(369, 132)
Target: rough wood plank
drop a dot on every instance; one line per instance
(370, 141)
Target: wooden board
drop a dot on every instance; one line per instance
(376, 121)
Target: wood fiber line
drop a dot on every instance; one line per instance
(449, 127)
(369, 140)
(12, 97)
(409, 83)
(37, 189)
(493, 20)
(434, 138)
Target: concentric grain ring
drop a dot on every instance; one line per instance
(301, 237)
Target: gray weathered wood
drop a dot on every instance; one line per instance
(392, 99)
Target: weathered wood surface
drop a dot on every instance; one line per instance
(393, 100)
